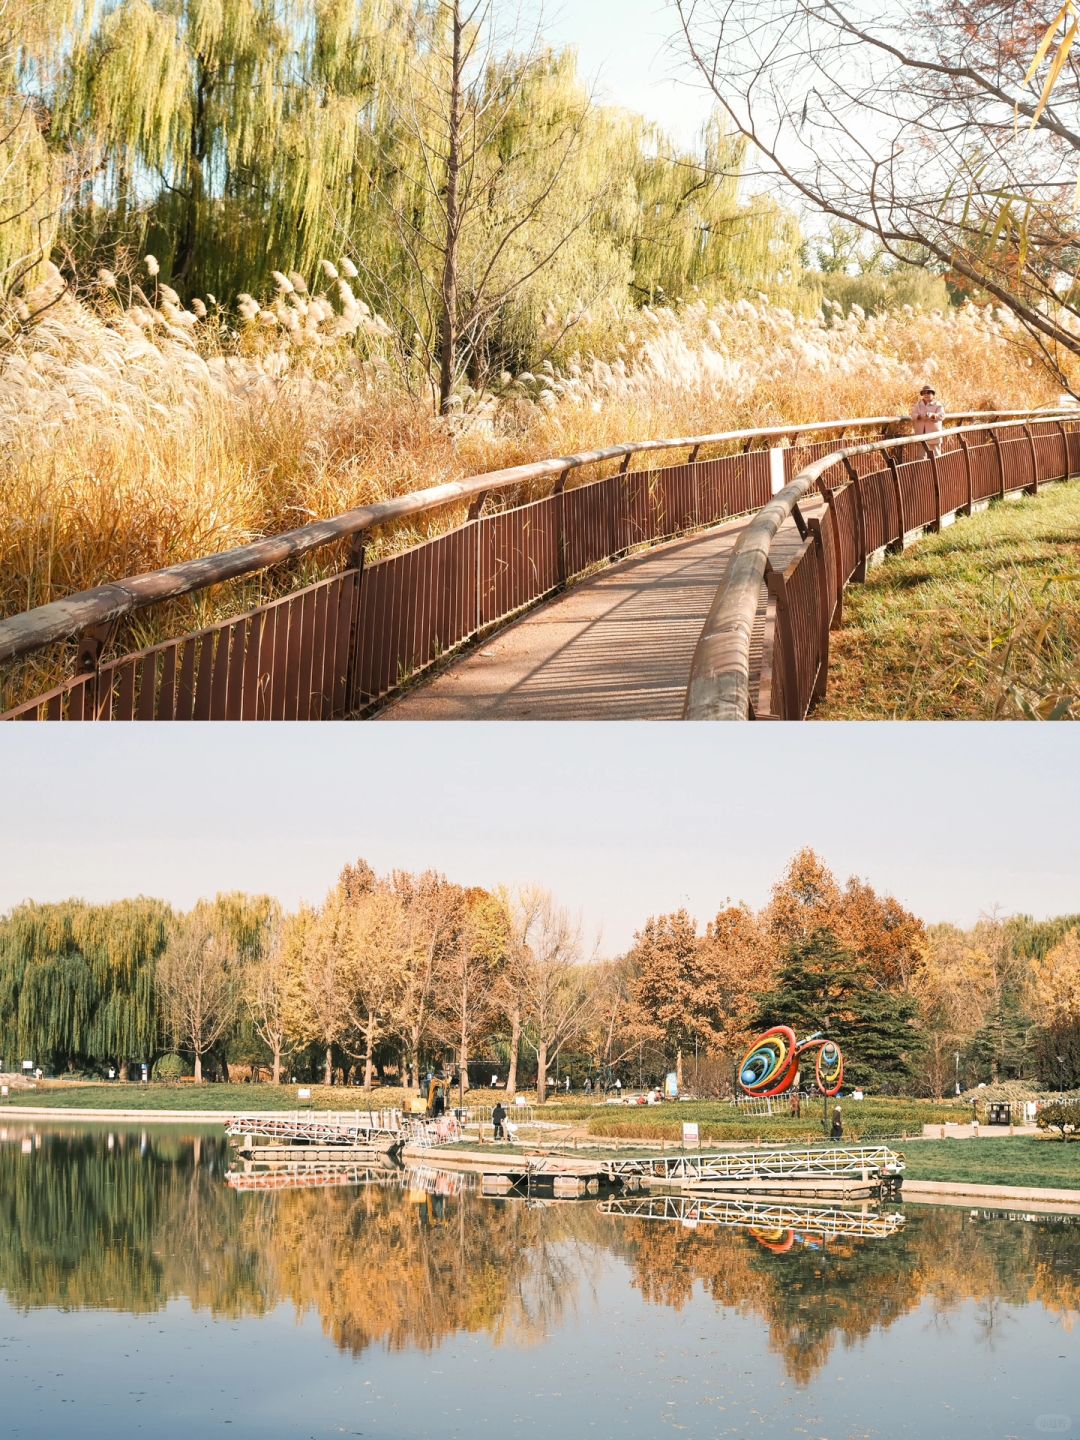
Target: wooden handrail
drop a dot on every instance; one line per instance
(719, 685)
(105, 604)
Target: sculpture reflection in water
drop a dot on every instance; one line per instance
(131, 1220)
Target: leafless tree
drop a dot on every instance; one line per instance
(920, 128)
(199, 981)
(556, 996)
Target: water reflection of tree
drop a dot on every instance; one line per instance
(128, 1223)
(123, 1221)
(815, 1294)
(377, 1267)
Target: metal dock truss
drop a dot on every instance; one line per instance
(865, 1164)
(311, 1175)
(379, 1129)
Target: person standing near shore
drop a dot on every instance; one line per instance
(928, 416)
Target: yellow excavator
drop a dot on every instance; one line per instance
(437, 1101)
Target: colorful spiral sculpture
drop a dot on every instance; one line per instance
(770, 1065)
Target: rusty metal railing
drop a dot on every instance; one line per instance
(343, 644)
(874, 497)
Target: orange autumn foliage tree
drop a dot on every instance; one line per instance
(882, 935)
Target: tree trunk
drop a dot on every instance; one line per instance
(678, 1069)
(125, 1070)
(197, 155)
(463, 1064)
(277, 1064)
(448, 337)
(198, 1067)
(541, 1072)
(414, 1060)
(328, 1076)
(515, 1046)
(369, 1032)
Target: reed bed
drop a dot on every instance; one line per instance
(140, 432)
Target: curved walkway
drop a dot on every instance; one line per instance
(616, 646)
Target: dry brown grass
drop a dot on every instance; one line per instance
(139, 434)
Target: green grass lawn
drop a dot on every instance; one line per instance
(979, 622)
(1021, 1160)
(870, 1119)
(200, 1097)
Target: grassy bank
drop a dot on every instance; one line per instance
(199, 1097)
(863, 1120)
(1022, 1160)
(980, 622)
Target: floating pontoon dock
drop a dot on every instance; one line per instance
(831, 1172)
(826, 1171)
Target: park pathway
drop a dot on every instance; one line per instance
(615, 646)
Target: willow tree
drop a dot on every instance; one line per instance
(231, 134)
(77, 982)
(38, 165)
(691, 229)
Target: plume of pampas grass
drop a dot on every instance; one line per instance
(142, 432)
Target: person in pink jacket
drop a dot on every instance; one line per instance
(928, 416)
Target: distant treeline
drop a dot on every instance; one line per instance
(396, 974)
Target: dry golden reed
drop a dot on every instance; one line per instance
(140, 432)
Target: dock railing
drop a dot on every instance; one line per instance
(314, 1126)
(833, 1162)
(876, 496)
(343, 644)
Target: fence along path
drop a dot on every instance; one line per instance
(340, 646)
(876, 497)
(615, 646)
(624, 644)
(346, 643)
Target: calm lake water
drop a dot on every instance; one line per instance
(142, 1294)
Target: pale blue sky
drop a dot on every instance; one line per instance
(619, 821)
(624, 49)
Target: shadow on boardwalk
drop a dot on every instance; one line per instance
(617, 646)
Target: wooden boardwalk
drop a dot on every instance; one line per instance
(616, 646)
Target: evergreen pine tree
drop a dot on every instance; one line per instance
(822, 986)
